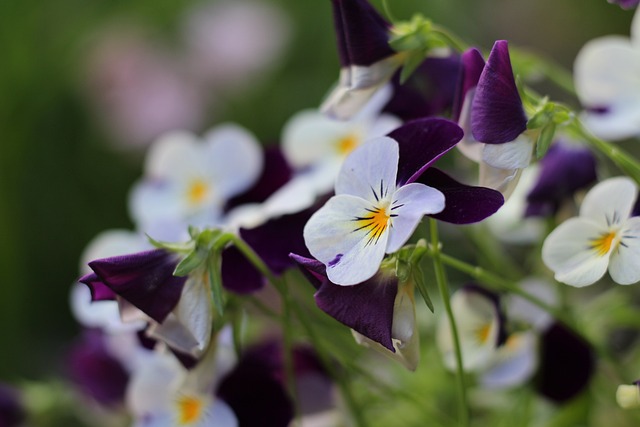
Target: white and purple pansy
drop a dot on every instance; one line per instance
(188, 181)
(178, 309)
(603, 237)
(366, 59)
(607, 84)
(493, 118)
(625, 4)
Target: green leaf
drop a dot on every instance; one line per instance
(418, 277)
(215, 281)
(190, 263)
(412, 62)
(545, 139)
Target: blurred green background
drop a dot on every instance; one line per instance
(62, 180)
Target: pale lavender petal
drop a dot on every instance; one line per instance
(421, 143)
(497, 113)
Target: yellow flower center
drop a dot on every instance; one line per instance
(482, 334)
(374, 223)
(197, 191)
(189, 409)
(603, 244)
(347, 144)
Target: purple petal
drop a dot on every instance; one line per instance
(429, 91)
(464, 204)
(314, 270)
(255, 391)
(497, 115)
(363, 35)
(277, 238)
(564, 170)
(275, 174)
(238, 274)
(421, 143)
(472, 66)
(96, 372)
(566, 364)
(12, 410)
(366, 308)
(144, 279)
(99, 291)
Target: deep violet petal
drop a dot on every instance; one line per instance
(238, 274)
(564, 170)
(144, 279)
(429, 91)
(464, 204)
(314, 270)
(99, 291)
(363, 35)
(567, 364)
(366, 308)
(12, 409)
(472, 66)
(421, 143)
(497, 114)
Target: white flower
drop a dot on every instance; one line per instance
(369, 215)
(607, 79)
(604, 236)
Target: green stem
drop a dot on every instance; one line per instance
(449, 38)
(387, 11)
(621, 158)
(463, 408)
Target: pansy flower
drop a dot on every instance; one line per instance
(372, 213)
(493, 118)
(481, 328)
(603, 236)
(605, 74)
(625, 4)
(366, 59)
(383, 190)
(13, 411)
(188, 181)
(179, 309)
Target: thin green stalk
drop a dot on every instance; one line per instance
(450, 39)
(463, 408)
(387, 11)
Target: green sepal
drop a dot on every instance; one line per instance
(418, 278)
(183, 247)
(545, 139)
(408, 268)
(207, 238)
(411, 35)
(215, 281)
(189, 263)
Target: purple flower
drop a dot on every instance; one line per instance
(12, 410)
(564, 169)
(625, 4)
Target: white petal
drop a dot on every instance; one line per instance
(152, 202)
(468, 146)
(610, 201)
(332, 235)
(502, 180)
(621, 120)
(404, 330)
(234, 159)
(411, 202)
(173, 156)
(515, 362)
(523, 310)
(218, 414)
(510, 155)
(624, 266)
(607, 71)
(370, 170)
(568, 252)
(111, 243)
(99, 314)
(188, 327)
(310, 137)
(152, 385)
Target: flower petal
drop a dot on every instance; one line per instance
(472, 66)
(411, 202)
(238, 274)
(366, 307)
(497, 114)
(514, 154)
(568, 251)
(624, 267)
(516, 362)
(610, 201)
(145, 279)
(369, 172)
(352, 253)
(421, 143)
(464, 204)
